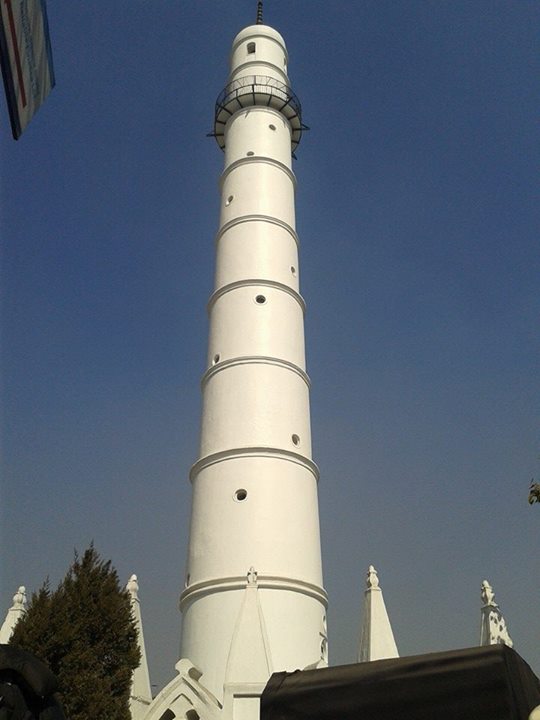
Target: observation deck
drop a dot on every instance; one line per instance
(258, 90)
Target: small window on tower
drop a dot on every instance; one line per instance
(251, 48)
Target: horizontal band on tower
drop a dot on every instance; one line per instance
(255, 282)
(238, 582)
(284, 78)
(257, 218)
(255, 452)
(254, 360)
(259, 159)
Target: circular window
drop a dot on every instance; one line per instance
(260, 299)
(229, 200)
(293, 270)
(250, 153)
(216, 359)
(240, 495)
(272, 127)
(296, 440)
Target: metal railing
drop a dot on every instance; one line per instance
(250, 86)
(261, 90)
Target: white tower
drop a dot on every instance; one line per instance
(253, 601)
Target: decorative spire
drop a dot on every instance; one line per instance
(249, 659)
(141, 690)
(493, 630)
(14, 614)
(376, 638)
(259, 13)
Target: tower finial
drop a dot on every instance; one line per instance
(260, 12)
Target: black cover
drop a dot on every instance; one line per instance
(38, 676)
(27, 687)
(487, 683)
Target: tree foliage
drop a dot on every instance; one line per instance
(534, 492)
(85, 632)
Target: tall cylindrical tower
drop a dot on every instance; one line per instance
(255, 521)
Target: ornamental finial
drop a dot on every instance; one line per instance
(259, 13)
(487, 594)
(19, 599)
(372, 579)
(133, 587)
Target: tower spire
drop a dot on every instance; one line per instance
(141, 690)
(377, 639)
(260, 12)
(14, 614)
(493, 630)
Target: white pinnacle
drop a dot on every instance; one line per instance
(141, 692)
(14, 614)
(493, 630)
(377, 639)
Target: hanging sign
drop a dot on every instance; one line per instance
(26, 57)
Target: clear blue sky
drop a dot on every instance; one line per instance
(420, 266)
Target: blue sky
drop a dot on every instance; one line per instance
(420, 264)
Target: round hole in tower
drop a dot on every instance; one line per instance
(229, 200)
(293, 270)
(272, 127)
(240, 495)
(296, 439)
(216, 359)
(260, 299)
(250, 153)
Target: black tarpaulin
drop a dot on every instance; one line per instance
(487, 683)
(27, 687)
(35, 673)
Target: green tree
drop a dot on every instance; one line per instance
(534, 492)
(85, 632)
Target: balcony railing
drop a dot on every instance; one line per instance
(259, 90)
